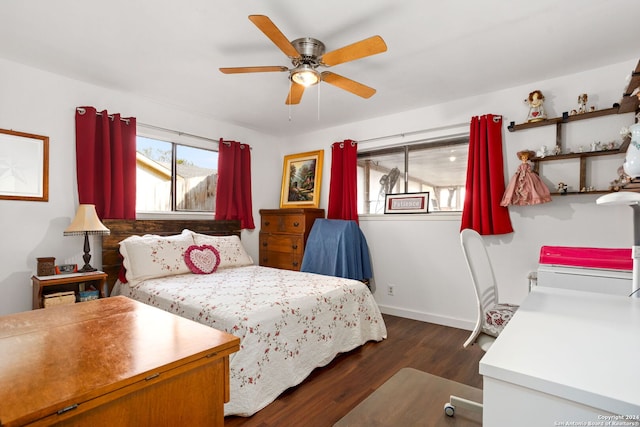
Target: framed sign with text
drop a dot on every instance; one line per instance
(406, 203)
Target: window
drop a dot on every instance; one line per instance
(438, 167)
(174, 177)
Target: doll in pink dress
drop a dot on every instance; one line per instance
(525, 187)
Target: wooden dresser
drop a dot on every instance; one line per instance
(112, 362)
(283, 235)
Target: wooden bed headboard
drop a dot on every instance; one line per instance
(123, 228)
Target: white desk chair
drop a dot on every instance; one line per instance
(492, 316)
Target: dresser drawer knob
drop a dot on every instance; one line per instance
(294, 246)
(296, 224)
(266, 223)
(264, 244)
(295, 263)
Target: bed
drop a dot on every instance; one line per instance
(288, 322)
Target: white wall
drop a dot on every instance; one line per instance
(421, 255)
(418, 254)
(41, 103)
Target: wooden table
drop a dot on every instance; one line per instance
(112, 362)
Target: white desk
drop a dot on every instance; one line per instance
(566, 356)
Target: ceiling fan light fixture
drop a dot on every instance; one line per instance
(305, 75)
(307, 55)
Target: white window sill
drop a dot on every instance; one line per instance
(434, 216)
(174, 215)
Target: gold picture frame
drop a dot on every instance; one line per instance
(302, 180)
(24, 166)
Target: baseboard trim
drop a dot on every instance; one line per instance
(428, 317)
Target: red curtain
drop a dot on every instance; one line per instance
(485, 179)
(343, 188)
(233, 192)
(106, 162)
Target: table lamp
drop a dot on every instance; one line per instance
(633, 200)
(86, 222)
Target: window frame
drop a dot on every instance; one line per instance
(176, 138)
(454, 140)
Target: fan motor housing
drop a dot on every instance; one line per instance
(310, 50)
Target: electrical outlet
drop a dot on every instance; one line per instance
(391, 290)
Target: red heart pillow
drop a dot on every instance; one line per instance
(202, 259)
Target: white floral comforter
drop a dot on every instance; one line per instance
(288, 322)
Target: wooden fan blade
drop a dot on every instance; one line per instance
(270, 30)
(236, 70)
(348, 84)
(367, 47)
(295, 94)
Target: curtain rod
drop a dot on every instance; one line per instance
(416, 132)
(99, 113)
(362, 141)
(179, 133)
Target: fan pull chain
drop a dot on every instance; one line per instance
(289, 99)
(318, 100)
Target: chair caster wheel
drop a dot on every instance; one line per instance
(449, 409)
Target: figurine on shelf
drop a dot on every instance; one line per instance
(536, 107)
(542, 152)
(525, 187)
(562, 188)
(621, 182)
(582, 103)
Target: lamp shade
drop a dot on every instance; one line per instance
(631, 199)
(86, 222)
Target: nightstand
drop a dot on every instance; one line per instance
(43, 285)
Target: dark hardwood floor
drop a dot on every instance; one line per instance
(331, 392)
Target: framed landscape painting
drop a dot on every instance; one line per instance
(301, 180)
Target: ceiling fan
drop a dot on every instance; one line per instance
(307, 55)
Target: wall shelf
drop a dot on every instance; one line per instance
(583, 165)
(582, 155)
(566, 118)
(629, 103)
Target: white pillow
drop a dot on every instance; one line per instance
(232, 253)
(150, 256)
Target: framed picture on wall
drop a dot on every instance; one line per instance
(301, 180)
(24, 166)
(407, 203)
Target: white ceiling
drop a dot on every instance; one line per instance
(170, 51)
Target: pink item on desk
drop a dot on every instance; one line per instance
(607, 258)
